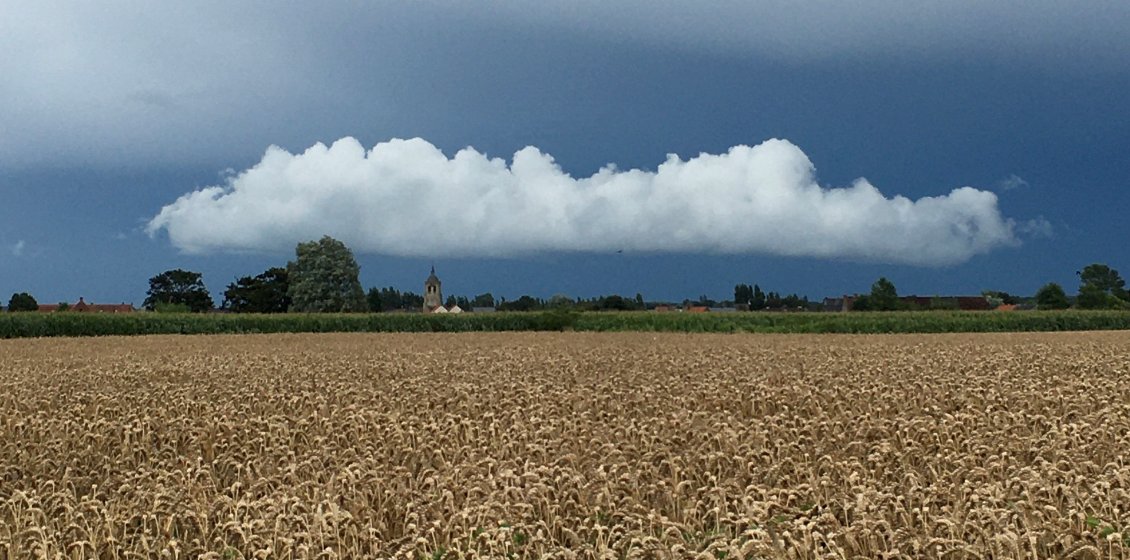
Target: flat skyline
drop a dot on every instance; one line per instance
(578, 148)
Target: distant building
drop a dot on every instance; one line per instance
(839, 303)
(433, 294)
(83, 307)
(483, 310)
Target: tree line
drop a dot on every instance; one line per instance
(754, 299)
(1100, 287)
(324, 277)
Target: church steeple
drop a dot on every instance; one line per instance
(433, 294)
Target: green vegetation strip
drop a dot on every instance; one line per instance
(17, 325)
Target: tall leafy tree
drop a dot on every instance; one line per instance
(524, 303)
(794, 301)
(178, 287)
(1093, 297)
(391, 299)
(1101, 287)
(411, 300)
(884, 296)
(1052, 296)
(264, 293)
(758, 301)
(1104, 278)
(373, 299)
(22, 301)
(772, 300)
(324, 278)
(560, 301)
(483, 300)
(743, 294)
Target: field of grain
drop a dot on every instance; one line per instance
(566, 445)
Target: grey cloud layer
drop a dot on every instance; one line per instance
(405, 197)
(829, 29)
(142, 81)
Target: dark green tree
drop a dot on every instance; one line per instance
(884, 296)
(373, 299)
(1104, 278)
(773, 300)
(391, 299)
(1052, 296)
(483, 300)
(412, 301)
(758, 301)
(615, 302)
(22, 302)
(794, 302)
(450, 302)
(264, 293)
(1101, 288)
(743, 295)
(524, 303)
(861, 303)
(1093, 297)
(324, 278)
(178, 288)
(560, 301)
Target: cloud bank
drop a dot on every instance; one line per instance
(406, 198)
(95, 82)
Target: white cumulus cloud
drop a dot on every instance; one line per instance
(407, 198)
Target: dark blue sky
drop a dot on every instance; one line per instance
(106, 118)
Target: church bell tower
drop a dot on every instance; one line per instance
(433, 296)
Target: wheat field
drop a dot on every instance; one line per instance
(566, 445)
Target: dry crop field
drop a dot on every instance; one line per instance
(566, 445)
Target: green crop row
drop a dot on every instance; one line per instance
(862, 323)
(15, 325)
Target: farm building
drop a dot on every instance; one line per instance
(83, 307)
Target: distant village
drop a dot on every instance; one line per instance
(324, 279)
(746, 299)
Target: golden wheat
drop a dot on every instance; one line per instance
(566, 446)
